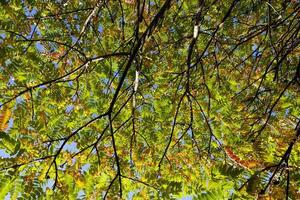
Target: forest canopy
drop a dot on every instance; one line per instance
(149, 99)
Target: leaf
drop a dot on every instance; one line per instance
(4, 118)
(253, 183)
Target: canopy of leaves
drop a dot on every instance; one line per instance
(149, 99)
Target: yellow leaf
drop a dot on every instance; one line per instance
(80, 183)
(4, 117)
